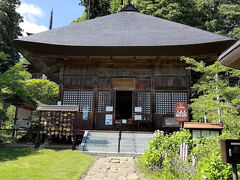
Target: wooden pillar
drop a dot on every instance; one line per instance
(153, 97)
(15, 120)
(189, 80)
(74, 139)
(96, 90)
(37, 142)
(61, 83)
(95, 102)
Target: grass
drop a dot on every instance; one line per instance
(18, 163)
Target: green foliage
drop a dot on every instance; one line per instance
(216, 16)
(84, 17)
(209, 159)
(216, 83)
(44, 91)
(163, 155)
(162, 159)
(97, 9)
(16, 83)
(182, 11)
(12, 82)
(219, 16)
(9, 30)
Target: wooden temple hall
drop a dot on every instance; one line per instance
(124, 67)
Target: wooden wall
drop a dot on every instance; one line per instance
(145, 75)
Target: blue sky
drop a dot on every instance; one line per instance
(36, 13)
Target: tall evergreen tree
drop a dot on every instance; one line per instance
(9, 30)
(95, 9)
(219, 16)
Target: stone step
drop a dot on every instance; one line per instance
(101, 142)
(107, 141)
(97, 149)
(103, 134)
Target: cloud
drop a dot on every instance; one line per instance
(30, 27)
(31, 13)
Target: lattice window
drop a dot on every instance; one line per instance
(85, 99)
(179, 97)
(70, 97)
(142, 99)
(165, 101)
(77, 97)
(105, 98)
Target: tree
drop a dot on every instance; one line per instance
(9, 30)
(218, 95)
(12, 83)
(220, 16)
(182, 11)
(17, 82)
(44, 91)
(97, 9)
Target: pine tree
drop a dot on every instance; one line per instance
(9, 30)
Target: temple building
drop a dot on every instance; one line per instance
(124, 67)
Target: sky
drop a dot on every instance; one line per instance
(36, 14)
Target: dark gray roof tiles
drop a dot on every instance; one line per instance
(125, 29)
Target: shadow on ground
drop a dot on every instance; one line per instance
(12, 153)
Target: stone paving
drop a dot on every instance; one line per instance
(113, 168)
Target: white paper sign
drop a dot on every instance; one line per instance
(138, 109)
(138, 117)
(23, 114)
(124, 121)
(109, 108)
(108, 119)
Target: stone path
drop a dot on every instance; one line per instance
(113, 168)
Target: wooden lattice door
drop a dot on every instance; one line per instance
(142, 105)
(165, 102)
(106, 110)
(84, 99)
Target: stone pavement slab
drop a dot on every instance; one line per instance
(113, 168)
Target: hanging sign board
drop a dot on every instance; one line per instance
(181, 112)
(124, 121)
(108, 119)
(109, 108)
(138, 117)
(85, 112)
(138, 109)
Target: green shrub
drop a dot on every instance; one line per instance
(162, 159)
(209, 159)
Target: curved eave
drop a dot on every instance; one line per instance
(168, 50)
(231, 57)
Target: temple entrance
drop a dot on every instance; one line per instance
(123, 105)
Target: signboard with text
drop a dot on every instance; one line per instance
(181, 112)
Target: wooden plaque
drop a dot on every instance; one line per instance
(124, 83)
(181, 112)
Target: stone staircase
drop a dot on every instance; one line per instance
(107, 142)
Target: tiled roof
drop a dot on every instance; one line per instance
(127, 28)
